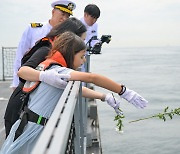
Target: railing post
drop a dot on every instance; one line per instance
(81, 119)
(79, 125)
(77, 132)
(3, 76)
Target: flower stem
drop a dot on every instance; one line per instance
(142, 119)
(162, 116)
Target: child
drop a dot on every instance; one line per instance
(68, 53)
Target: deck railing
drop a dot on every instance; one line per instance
(64, 132)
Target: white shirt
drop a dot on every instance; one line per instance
(91, 31)
(28, 40)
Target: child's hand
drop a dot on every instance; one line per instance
(134, 98)
(113, 102)
(53, 78)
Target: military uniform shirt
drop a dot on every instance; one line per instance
(91, 31)
(28, 40)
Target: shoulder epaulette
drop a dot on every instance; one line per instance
(34, 25)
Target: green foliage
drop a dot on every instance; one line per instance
(119, 118)
(164, 115)
(167, 113)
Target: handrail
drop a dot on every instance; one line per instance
(54, 137)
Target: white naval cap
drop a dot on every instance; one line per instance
(64, 5)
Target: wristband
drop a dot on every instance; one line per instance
(123, 89)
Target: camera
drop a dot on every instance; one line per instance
(105, 38)
(96, 49)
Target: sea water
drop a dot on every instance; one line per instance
(154, 73)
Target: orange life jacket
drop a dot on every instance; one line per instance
(57, 58)
(44, 42)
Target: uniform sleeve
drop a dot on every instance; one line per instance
(23, 47)
(38, 57)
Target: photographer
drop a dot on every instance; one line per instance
(91, 14)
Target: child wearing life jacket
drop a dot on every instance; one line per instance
(66, 56)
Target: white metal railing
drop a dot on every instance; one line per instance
(7, 57)
(64, 132)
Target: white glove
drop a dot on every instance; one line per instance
(53, 78)
(134, 98)
(113, 102)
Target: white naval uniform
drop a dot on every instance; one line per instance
(28, 40)
(91, 31)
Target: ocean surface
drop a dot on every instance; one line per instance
(154, 73)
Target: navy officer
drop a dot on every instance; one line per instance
(61, 11)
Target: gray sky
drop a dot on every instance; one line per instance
(132, 23)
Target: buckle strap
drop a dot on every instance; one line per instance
(39, 120)
(28, 115)
(34, 117)
(23, 123)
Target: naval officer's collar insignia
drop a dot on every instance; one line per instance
(34, 25)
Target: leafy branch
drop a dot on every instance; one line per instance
(166, 113)
(119, 118)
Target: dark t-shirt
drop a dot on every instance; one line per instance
(38, 57)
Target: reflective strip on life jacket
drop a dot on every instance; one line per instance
(29, 86)
(57, 59)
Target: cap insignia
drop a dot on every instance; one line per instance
(70, 6)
